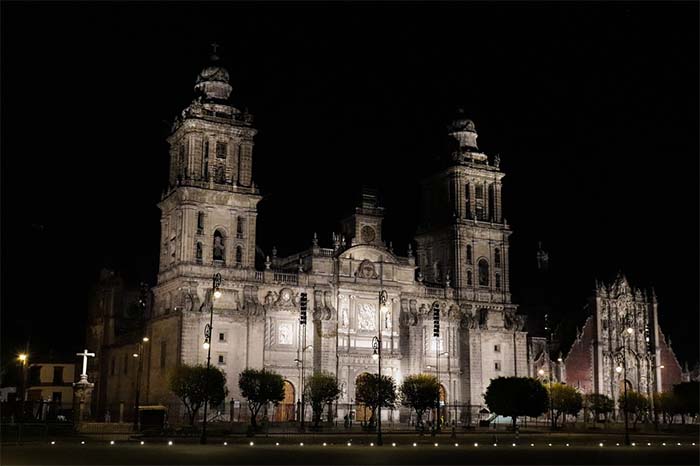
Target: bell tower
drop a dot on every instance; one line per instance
(462, 231)
(208, 213)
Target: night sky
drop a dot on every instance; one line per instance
(593, 109)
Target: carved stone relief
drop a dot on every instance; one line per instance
(366, 316)
(366, 270)
(285, 333)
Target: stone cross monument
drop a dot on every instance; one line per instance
(82, 391)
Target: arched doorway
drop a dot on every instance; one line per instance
(442, 413)
(362, 413)
(285, 410)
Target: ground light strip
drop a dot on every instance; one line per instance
(393, 444)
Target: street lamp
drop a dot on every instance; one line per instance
(216, 293)
(139, 369)
(22, 358)
(377, 347)
(620, 369)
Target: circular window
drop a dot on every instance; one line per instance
(367, 234)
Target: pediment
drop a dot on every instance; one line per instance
(370, 253)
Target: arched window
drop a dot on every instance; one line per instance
(498, 281)
(483, 273)
(239, 227)
(219, 246)
(198, 252)
(469, 253)
(497, 257)
(469, 278)
(239, 255)
(200, 222)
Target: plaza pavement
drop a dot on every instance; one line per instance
(360, 450)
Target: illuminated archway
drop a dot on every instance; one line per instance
(442, 413)
(285, 410)
(362, 412)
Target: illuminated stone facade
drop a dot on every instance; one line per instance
(622, 332)
(209, 226)
(460, 263)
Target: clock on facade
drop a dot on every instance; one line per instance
(367, 234)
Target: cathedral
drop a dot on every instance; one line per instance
(361, 292)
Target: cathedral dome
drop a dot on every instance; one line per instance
(464, 130)
(213, 81)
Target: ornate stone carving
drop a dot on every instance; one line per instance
(190, 301)
(468, 320)
(323, 307)
(328, 305)
(423, 309)
(513, 321)
(366, 269)
(366, 316)
(285, 299)
(285, 333)
(251, 305)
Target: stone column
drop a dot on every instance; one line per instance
(498, 214)
(472, 199)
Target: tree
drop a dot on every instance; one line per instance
(637, 405)
(666, 405)
(260, 387)
(565, 400)
(321, 389)
(600, 405)
(420, 392)
(190, 384)
(373, 392)
(516, 396)
(687, 396)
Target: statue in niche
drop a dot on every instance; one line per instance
(387, 319)
(344, 316)
(219, 249)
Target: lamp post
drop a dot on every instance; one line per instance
(22, 358)
(623, 349)
(541, 374)
(377, 354)
(139, 369)
(216, 294)
(303, 400)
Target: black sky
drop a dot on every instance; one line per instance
(593, 108)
